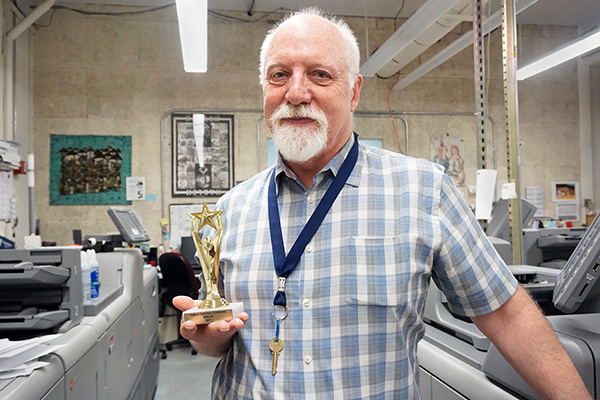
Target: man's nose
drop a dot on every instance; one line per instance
(298, 90)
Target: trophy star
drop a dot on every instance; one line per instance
(205, 217)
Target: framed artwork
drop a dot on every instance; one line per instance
(565, 191)
(448, 151)
(566, 198)
(89, 169)
(202, 154)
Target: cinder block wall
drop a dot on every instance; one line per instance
(104, 75)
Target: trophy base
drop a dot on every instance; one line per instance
(203, 316)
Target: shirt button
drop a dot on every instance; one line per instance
(309, 248)
(310, 198)
(307, 359)
(306, 303)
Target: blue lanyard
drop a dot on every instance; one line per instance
(284, 265)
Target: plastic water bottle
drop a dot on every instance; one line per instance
(94, 274)
(86, 277)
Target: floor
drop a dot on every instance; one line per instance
(184, 376)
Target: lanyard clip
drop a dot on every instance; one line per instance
(281, 287)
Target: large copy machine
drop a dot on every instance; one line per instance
(550, 247)
(458, 362)
(111, 343)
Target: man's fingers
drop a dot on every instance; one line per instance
(213, 333)
(239, 322)
(189, 330)
(222, 326)
(184, 303)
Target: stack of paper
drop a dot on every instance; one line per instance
(20, 358)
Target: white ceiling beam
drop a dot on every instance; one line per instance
(410, 30)
(466, 40)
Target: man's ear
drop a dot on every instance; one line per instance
(356, 92)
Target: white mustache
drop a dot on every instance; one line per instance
(302, 111)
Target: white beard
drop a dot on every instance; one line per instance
(299, 144)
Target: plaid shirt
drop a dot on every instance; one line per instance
(357, 295)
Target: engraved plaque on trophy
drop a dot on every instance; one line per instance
(214, 307)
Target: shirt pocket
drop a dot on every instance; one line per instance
(381, 271)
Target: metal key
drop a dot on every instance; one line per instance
(276, 345)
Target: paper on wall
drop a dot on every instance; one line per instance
(567, 210)
(484, 196)
(535, 195)
(136, 188)
(5, 202)
(509, 191)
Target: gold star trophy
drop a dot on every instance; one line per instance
(214, 307)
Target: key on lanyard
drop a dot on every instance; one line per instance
(276, 344)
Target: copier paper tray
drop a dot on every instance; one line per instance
(41, 291)
(29, 300)
(25, 273)
(33, 319)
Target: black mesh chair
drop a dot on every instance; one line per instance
(177, 279)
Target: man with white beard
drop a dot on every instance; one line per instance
(332, 250)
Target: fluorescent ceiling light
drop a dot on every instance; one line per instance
(574, 49)
(192, 17)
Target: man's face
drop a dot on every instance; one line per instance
(305, 68)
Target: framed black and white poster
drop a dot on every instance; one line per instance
(202, 154)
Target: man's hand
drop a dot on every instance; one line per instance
(212, 339)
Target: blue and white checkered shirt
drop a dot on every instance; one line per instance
(357, 295)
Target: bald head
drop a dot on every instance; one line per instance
(313, 21)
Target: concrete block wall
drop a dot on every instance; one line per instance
(105, 75)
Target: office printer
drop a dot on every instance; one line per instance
(37, 294)
(110, 343)
(458, 362)
(550, 247)
(498, 227)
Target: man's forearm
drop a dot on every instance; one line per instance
(526, 340)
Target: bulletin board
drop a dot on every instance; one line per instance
(181, 223)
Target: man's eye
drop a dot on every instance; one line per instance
(321, 74)
(278, 75)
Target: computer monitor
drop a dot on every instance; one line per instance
(578, 280)
(498, 223)
(128, 225)
(188, 250)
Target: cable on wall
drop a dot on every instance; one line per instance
(212, 13)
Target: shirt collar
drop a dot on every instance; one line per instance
(333, 165)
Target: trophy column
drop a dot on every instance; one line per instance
(214, 307)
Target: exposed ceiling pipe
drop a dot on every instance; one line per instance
(8, 77)
(457, 46)
(412, 29)
(40, 10)
(430, 36)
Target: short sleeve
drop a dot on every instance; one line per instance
(467, 268)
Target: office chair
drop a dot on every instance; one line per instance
(188, 249)
(177, 279)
